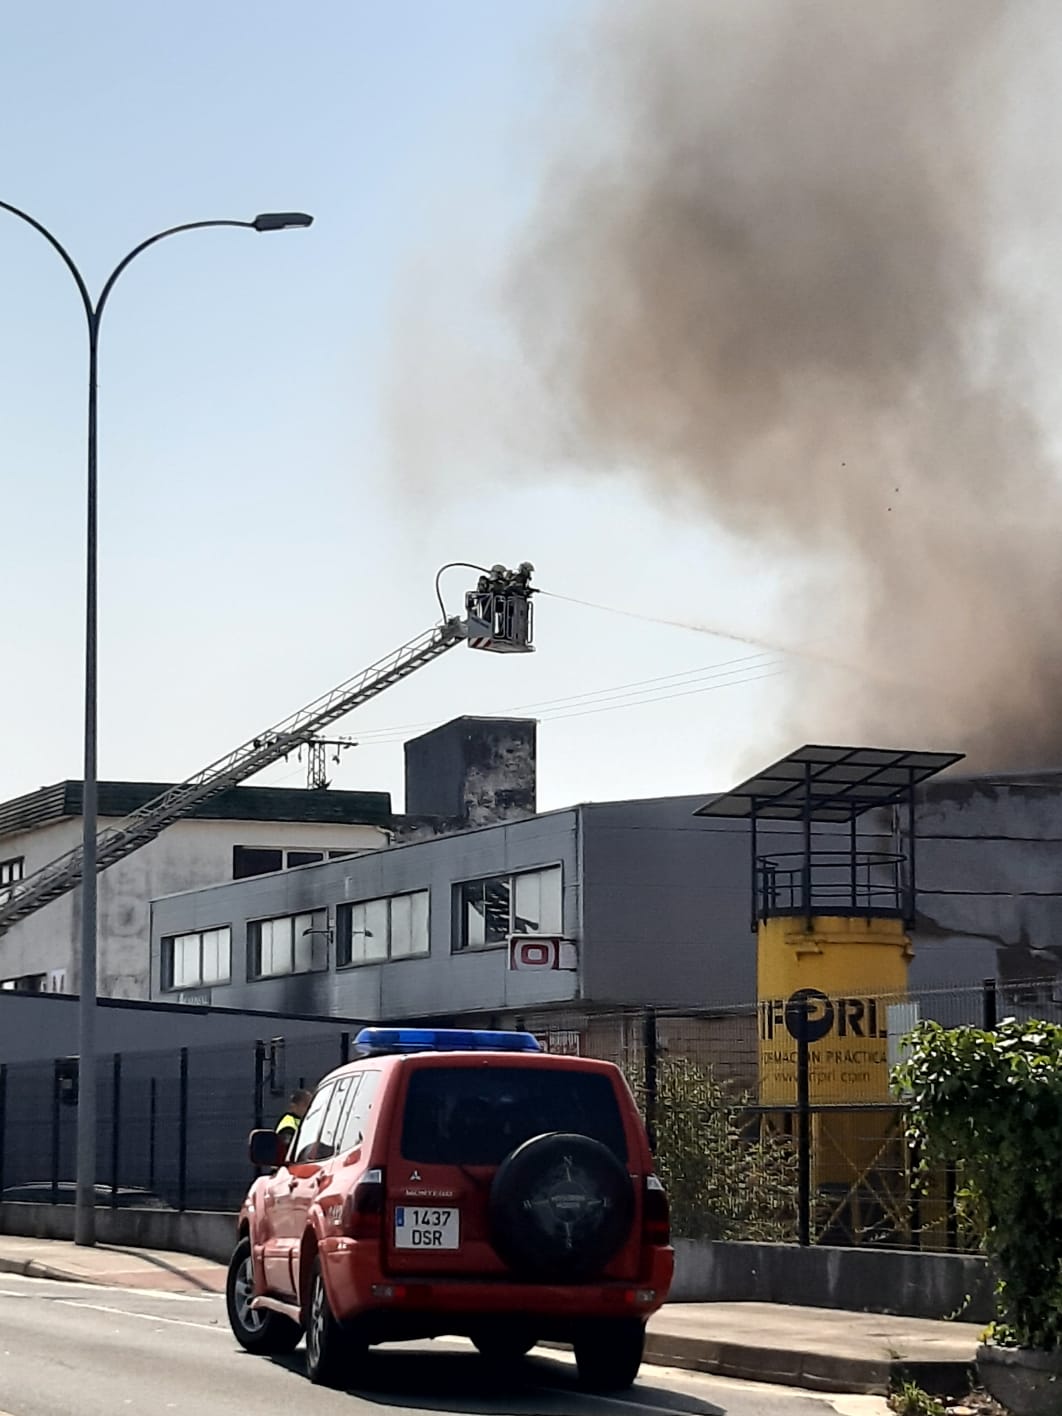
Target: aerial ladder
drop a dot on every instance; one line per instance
(498, 619)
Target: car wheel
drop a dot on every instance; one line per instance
(331, 1352)
(609, 1354)
(257, 1331)
(561, 1208)
(503, 1344)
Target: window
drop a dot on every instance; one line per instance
(356, 1121)
(479, 1115)
(192, 959)
(250, 860)
(288, 945)
(28, 983)
(296, 858)
(304, 1146)
(341, 1092)
(375, 930)
(264, 860)
(11, 872)
(491, 910)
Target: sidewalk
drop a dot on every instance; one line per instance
(110, 1265)
(817, 1348)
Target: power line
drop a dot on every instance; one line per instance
(663, 697)
(745, 660)
(554, 707)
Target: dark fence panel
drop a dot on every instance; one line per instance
(745, 1155)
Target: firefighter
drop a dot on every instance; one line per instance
(289, 1123)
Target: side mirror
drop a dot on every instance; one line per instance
(267, 1149)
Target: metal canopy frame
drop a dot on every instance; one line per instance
(829, 783)
(836, 784)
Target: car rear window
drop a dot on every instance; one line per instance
(477, 1115)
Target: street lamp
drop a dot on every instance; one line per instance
(85, 1213)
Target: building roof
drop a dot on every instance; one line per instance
(62, 801)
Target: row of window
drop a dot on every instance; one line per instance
(369, 931)
(264, 860)
(52, 982)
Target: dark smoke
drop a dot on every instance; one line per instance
(765, 272)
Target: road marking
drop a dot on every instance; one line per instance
(145, 1317)
(35, 1285)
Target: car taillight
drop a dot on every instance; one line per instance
(656, 1213)
(364, 1209)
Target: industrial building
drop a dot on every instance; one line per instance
(236, 834)
(652, 901)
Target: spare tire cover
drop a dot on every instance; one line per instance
(561, 1207)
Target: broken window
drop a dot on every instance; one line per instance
(493, 909)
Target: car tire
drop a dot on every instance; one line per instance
(261, 1332)
(332, 1352)
(503, 1344)
(609, 1354)
(536, 1228)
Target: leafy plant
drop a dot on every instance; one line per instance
(910, 1400)
(992, 1103)
(722, 1183)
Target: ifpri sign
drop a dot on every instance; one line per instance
(847, 1047)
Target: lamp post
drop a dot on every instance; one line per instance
(85, 1214)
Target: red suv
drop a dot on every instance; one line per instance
(456, 1183)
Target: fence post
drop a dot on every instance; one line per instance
(116, 1125)
(259, 1084)
(153, 1112)
(952, 1219)
(989, 1016)
(182, 1135)
(3, 1121)
(55, 1132)
(803, 1102)
(344, 1049)
(651, 1056)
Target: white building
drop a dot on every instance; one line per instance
(245, 831)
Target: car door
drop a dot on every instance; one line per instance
(283, 1228)
(312, 1170)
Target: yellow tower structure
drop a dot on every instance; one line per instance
(833, 893)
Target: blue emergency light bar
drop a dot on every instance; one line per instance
(378, 1042)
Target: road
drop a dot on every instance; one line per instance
(78, 1350)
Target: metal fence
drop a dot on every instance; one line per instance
(758, 1133)
(173, 1125)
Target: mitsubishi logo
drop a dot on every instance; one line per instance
(414, 1179)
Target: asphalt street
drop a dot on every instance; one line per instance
(78, 1350)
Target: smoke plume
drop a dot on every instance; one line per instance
(768, 269)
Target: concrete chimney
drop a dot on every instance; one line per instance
(473, 771)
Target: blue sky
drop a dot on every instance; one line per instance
(261, 537)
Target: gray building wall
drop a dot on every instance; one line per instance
(990, 878)
(440, 983)
(35, 1026)
(666, 905)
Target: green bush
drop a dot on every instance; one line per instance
(721, 1183)
(992, 1103)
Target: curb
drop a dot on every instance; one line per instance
(815, 1371)
(30, 1268)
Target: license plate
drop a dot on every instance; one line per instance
(417, 1228)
